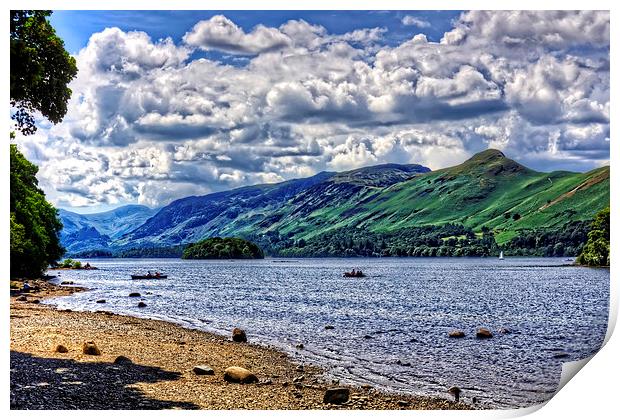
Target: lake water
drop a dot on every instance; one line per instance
(390, 328)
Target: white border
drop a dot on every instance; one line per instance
(592, 394)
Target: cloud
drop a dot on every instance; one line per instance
(532, 29)
(220, 33)
(409, 20)
(146, 122)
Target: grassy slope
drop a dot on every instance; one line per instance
(476, 193)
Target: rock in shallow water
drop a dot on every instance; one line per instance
(238, 336)
(134, 294)
(483, 333)
(141, 305)
(336, 396)
(456, 334)
(239, 375)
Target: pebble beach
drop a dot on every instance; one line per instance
(150, 364)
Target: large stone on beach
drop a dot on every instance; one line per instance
(61, 349)
(484, 333)
(101, 301)
(141, 305)
(134, 294)
(122, 360)
(91, 348)
(336, 396)
(239, 375)
(456, 334)
(238, 336)
(203, 370)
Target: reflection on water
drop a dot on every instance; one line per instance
(390, 328)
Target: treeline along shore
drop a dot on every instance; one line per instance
(62, 360)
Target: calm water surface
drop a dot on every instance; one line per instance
(390, 328)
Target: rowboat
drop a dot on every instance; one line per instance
(145, 277)
(354, 274)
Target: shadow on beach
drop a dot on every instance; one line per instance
(39, 383)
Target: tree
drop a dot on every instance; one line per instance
(596, 250)
(41, 69)
(34, 222)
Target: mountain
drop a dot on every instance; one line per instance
(97, 230)
(488, 192)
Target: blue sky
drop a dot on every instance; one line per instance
(76, 26)
(168, 104)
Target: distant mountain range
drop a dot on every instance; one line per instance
(488, 191)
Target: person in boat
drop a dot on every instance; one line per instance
(148, 273)
(157, 274)
(87, 266)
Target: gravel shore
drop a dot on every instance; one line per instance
(160, 374)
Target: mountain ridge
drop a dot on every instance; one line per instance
(487, 191)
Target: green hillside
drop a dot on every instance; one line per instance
(489, 190)
(474, 208)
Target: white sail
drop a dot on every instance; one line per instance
(501, 255)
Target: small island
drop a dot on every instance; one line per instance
(223, 248)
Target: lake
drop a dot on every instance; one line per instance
(391, 327)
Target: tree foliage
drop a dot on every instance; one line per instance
(34, 222)
(449, 240)
(596, 250)
(41, 69)
(223, 248)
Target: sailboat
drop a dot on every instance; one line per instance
(501, 255)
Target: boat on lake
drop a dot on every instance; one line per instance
(354, 273)
(148, 276)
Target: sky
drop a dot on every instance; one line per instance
(169, 104)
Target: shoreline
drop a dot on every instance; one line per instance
(160, 375)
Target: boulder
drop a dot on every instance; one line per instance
(329, 327)
(238, 336)
(239, 375)
(203, 370)
(456, 334)
(504, 331)
(22, 299)
(91, 348)
(483, 333)
(456, 391)
(61, 349)
(122, 360)
(36, 301)
(134, 294)
(64, 283)
(101, 301)
(300, 346)
(336, 396)
(141, 305)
